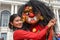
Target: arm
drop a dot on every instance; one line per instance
(21, 34)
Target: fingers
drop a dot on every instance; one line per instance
(53, 21)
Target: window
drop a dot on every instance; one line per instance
(59, 18)
(21, 0)
(57, 0)
(4, 36)
(0, 35)
(0, 19)
(5, 15)
(59, 15)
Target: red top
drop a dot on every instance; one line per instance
(26, 35)
(38, 29)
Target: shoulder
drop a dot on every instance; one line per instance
(17, 31)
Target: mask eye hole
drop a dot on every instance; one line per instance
(26, 12)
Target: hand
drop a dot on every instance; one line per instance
(52, 22)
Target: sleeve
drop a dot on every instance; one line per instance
(21, 34)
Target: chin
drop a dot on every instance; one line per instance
(32, 22)
(19, 27)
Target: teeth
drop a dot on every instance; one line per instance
(29, 19)
(35, 18)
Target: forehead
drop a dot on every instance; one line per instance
(18, 17)
(33, 9)
(28, 7)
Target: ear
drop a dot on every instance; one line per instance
(11, 23)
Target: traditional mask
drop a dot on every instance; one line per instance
(29, 16)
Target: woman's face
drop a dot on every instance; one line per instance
(17, 22)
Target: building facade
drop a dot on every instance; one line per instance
(9, 7)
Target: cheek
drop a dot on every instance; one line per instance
(15, 23)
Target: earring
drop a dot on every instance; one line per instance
(41, 18)
(34, 30)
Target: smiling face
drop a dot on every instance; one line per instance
(29, 16)
(17, 22)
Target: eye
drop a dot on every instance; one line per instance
(17, 20)
(20, 19)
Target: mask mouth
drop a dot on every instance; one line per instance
(32, 20)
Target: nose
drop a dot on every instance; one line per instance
(31, 15)
(20, 22)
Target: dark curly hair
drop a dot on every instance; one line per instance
(39, 7)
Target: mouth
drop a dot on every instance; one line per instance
(32, 20)
(19, 26)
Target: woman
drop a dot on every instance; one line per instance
(20, 33)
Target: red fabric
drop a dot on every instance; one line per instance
(38, 27)
(21, 35)
(51, 34)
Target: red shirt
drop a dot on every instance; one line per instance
(26, 35)
(37, 29)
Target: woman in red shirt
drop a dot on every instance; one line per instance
(20, 33)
